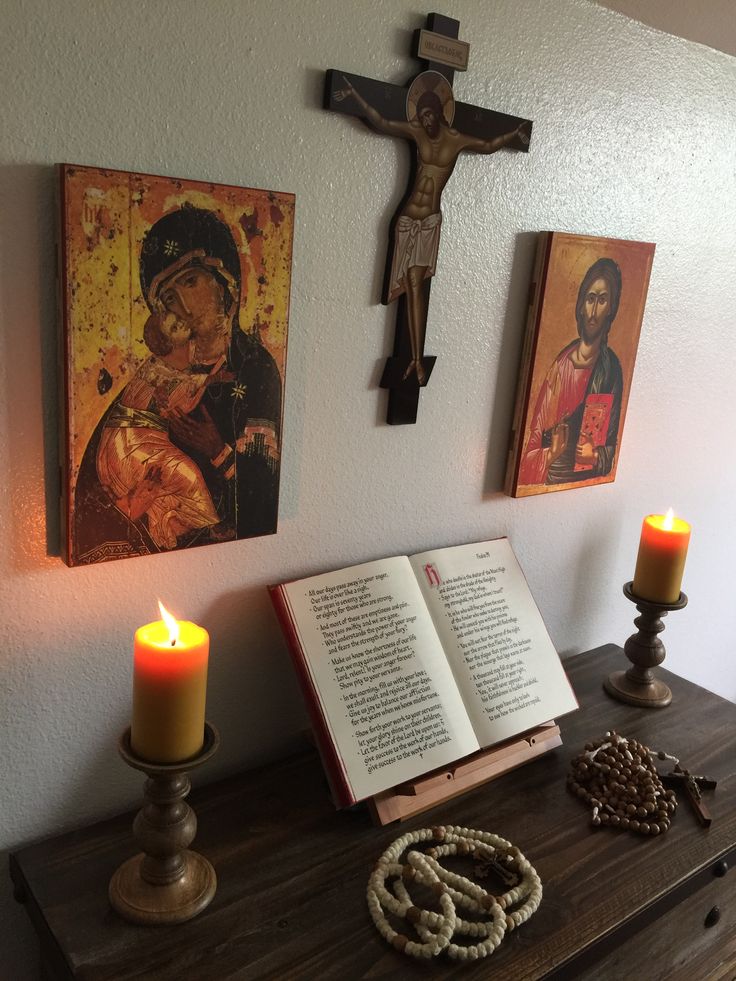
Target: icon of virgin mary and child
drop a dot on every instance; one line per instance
(188, 452)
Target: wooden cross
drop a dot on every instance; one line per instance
(692, 785)
(437, 130)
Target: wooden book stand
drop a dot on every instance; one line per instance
(419, 795)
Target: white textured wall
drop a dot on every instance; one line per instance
(634, 137)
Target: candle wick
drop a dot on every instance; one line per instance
(173, 642)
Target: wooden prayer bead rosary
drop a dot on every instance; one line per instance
(494, 916)
(617, 777)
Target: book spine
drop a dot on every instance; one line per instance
(531, 334)
(334, 770)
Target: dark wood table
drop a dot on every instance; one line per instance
(292, 871)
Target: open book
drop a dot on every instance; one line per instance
(410, 663)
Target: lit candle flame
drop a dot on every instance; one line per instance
(669, 520)
(170, 623)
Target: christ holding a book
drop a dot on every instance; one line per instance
(574, 430)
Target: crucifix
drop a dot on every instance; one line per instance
(692, 785)
(437, 129)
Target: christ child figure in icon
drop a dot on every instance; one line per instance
(430, 111)
(143, 472)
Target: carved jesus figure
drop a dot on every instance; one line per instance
(430, 109)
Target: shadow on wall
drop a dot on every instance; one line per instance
(509, 363)
(29, 357)
(590, 594)
(252, 693)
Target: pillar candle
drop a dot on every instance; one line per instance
(169, 690)
(661, 559)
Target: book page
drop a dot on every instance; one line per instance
(387, 692)
(504, 662)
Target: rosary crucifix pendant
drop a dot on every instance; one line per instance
(437, 129)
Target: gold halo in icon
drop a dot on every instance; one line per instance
(431, 82)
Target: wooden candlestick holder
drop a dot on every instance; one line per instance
(166, 883)
(645, 650)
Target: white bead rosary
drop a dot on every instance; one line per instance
(500, 914)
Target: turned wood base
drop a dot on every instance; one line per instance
(166, 882)
(645, 650)
(141, 902)
(653, 694)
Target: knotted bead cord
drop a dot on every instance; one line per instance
(453, 891)
(617, 777)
